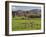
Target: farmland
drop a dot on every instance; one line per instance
(18, 23)
(26, 20)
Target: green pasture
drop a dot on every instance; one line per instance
(25, 24)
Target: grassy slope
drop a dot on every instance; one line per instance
(33, 24)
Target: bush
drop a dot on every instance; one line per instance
(34, 16)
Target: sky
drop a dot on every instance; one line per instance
(24, 8)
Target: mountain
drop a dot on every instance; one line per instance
(33, 10)
(29, 12)
(36, 10)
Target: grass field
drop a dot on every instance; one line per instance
(24, 24)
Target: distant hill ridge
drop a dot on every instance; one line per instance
(33, 10)
(27, 13)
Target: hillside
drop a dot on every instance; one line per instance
(27, 13)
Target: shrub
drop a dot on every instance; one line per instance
(34, 16)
